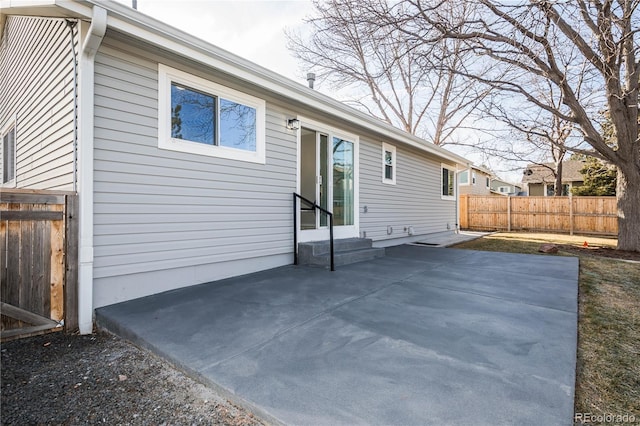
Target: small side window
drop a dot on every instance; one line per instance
(9, 154)
(448, 183)
(463, 177)
(388, 164)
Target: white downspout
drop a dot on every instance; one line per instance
(457, 230)
(90, 46)
(457, 188)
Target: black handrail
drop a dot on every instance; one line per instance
(313, 207)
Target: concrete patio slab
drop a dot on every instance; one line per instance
(422, 336)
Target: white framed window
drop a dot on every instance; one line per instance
(448, 183)
(201, 117)
(504, 189)
(9, 153)
(388, 164)
(488, 182)
(463, 177)
(473, 178)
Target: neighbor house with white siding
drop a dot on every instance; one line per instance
(475, 180)
(185, 157)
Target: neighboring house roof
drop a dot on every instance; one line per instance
(535, 173)
(496, 184)
(499, 182)
(481, 169)
(138, 25)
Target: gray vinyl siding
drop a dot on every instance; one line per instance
(415, 200)
(36, 89)
(166, 219)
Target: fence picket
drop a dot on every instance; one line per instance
(582, 215)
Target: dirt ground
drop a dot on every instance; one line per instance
(100, 379)
(601, 251)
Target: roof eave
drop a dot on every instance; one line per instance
(138, 25)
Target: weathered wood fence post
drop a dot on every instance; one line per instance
(508, 213)
(570, 214)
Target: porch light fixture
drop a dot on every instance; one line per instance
(293, 124)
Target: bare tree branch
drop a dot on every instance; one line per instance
(407, 85)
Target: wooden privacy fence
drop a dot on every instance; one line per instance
(581, 215)
(38, 261)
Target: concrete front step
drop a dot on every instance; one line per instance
(348, 257)
(317, 248)
(346, 251)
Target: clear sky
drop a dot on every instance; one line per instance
(253, 29)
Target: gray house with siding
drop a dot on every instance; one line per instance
(185, 157)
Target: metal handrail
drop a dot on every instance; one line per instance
(313, 207)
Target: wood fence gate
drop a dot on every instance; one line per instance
(38, 261)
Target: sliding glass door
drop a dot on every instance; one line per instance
(327, 176)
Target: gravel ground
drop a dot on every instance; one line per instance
(70, 379)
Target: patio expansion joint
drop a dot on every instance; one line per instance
(505, 299)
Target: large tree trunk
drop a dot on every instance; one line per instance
(558, 187)
(628, 195)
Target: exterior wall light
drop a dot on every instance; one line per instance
(293, 124)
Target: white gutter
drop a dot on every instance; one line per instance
(90, 46)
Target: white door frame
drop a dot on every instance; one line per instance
(338, 231)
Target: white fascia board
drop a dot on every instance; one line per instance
(28, 4)
(129, 21)
(39, 8)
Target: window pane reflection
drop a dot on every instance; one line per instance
(343, 184)
(192, 115)
(237, 125)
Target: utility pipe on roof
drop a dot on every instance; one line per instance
(90, 46)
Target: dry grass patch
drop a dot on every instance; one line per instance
(528, 241)
(608, 367)
(608, 375)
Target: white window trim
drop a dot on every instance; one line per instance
(487, 182)
(473, 177)
(167, 75)
(392, 149)
(455, 178)
(10, 124)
